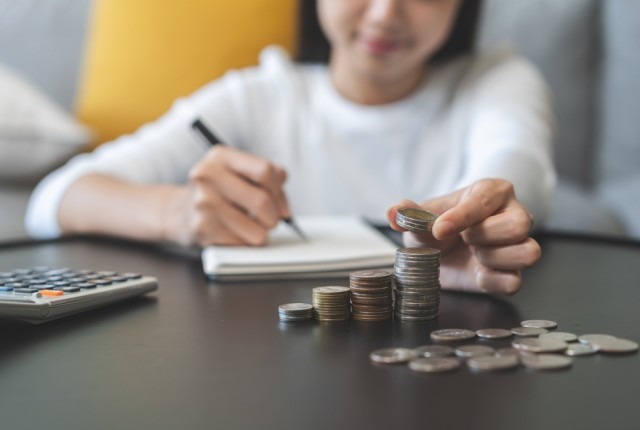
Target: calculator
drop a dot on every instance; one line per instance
(40, 294)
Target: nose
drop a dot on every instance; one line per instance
(384, 13)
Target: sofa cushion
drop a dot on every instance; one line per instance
(561, 38)
(36, 135)
(620, 125)
(143, 54)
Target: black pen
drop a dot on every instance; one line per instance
(212, 140)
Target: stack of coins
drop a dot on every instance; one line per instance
(331, 303)
(295, 312)
(417, 284)
(415, 220)
(371, 295)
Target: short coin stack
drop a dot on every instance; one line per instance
(331, 303)
(417, 284)
(371, 295)
(415, 220)
(295, 312)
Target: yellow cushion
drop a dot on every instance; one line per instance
(143, 54)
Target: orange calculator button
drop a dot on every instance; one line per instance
(51, 292)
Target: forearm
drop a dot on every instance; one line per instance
(100, 204)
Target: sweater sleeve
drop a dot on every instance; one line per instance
(160, 152)
(510, 130)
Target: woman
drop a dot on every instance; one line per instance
(400, 111)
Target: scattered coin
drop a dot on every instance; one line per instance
(614, 346)
(415, 220)
(452, 334)
(560, 335)
(434, 364)
(574, 349)
(469, 351)
(546, 361)
(528, 331)
(291, 312)
(588, 338)
(539, 324)
(493, 363)
(435, 351)
(392, 355)
(538, 345)
(493, 333)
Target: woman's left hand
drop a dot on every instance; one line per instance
(483, 232)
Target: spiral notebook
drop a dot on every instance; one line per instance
(336, 246)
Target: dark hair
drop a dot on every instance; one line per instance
(313, 46)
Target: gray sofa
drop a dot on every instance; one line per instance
(585, 48)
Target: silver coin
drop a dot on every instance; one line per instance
(560, 335)
(588, 338)
(468, 351)
(452, 334)
(546, 361)
(331, 290)
(434, 351)
(434, 364)
(538, 345)
(574, 349)
(539, 324)
(392, 355)
(370, 274)
(493, 333)
(493, 363)
(415, 214)
(614, 346)
(528, 331)
(418, 251)
(296, 307)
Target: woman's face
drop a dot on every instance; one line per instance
(385, 40)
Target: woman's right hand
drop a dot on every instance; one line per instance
(233, 198)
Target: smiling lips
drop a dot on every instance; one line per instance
(379, 46)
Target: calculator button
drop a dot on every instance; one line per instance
(76, 279)
(41, 287)
(70, 289)
(15, 285)
(119, 278)
(107, 273)
(37, 281)
(25, 290)
(3, 288)
(51, 293)
(102, 282)
(132, 275)
(54, 278)
(85, 285)
(22, 272)
(62, 283)
(6, 275)
(57, 272)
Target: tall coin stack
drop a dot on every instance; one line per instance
(371, 295)
(416, 271)
(417, 284)
(331, 303)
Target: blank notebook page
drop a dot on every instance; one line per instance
(335, 243)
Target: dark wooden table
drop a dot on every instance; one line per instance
(199, 355)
